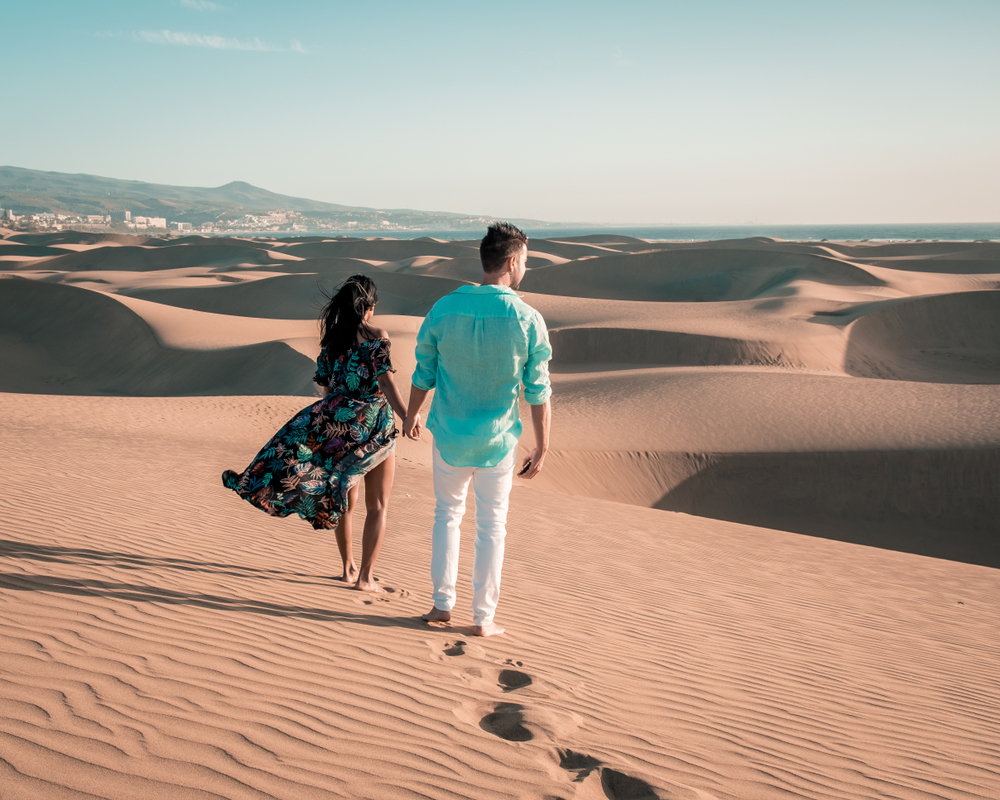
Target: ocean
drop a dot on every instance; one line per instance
(811, 233)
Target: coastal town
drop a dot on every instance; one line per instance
(277, 221)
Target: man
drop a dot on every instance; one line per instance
(476, 348)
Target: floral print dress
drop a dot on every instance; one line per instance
(311, 464)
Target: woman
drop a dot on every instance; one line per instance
(312, 466)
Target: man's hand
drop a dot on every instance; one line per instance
(412, 427)
(532, 465)
(541, 419)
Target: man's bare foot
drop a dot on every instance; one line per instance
(487, 630)
(436, 615)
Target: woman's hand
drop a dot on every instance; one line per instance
(412, 427)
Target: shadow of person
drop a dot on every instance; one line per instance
(151, 594)
(132, 561)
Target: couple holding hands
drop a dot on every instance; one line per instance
(476, 348)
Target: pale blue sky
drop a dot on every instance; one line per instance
(644, 112)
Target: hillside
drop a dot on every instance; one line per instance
(29, 191)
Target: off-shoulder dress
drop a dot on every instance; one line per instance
(309, 466)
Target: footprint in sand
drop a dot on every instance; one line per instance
(454, 648)
(511, 679)
(389, 594)
(619, 786)
(506, 722)
(579, 763)
(615, 785)
(449, 649)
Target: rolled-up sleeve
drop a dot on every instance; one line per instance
(425, 375)
(535, 376)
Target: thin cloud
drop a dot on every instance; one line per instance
(621, 61)
(213, 42)
(200, 5)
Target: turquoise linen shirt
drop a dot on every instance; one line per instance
(475, 348)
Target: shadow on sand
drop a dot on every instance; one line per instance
(139, 593)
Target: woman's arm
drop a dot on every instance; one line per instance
(391, 392)
(387, 384)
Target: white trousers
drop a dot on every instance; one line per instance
(492, 489)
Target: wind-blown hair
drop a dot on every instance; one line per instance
(343, 316)
(502, 240)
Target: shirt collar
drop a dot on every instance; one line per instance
(488, 289)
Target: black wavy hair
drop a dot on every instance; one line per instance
(502, 240)
(343, 317)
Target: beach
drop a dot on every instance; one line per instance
(761, 560)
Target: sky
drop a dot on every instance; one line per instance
(713, 112)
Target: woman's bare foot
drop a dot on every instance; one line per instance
(436, 615)
(350, 574)
(369, 586)
(487, 630)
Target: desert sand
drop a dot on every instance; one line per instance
(761, 561)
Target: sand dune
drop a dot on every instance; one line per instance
(634, 346)
(952, 338)
(465, 269)
(218, 241)
(135, 259)
(704, 275)
(919, 251)
(672, 634)
(80, 238)
(946, 507)
(383, 249)
(300, 296)
(85, 343)
(583, 246)
(8, 250)
(885, 463)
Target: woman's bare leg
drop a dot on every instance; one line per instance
(344, 537)
(378, 484)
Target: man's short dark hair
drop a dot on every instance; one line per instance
(502, 240)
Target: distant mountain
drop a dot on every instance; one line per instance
(29, 191)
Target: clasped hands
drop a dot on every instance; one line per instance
(412, 427)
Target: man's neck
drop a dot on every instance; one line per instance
(496, 279)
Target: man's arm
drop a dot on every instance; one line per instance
(541, 419)
(537, 390)
(425, 374)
